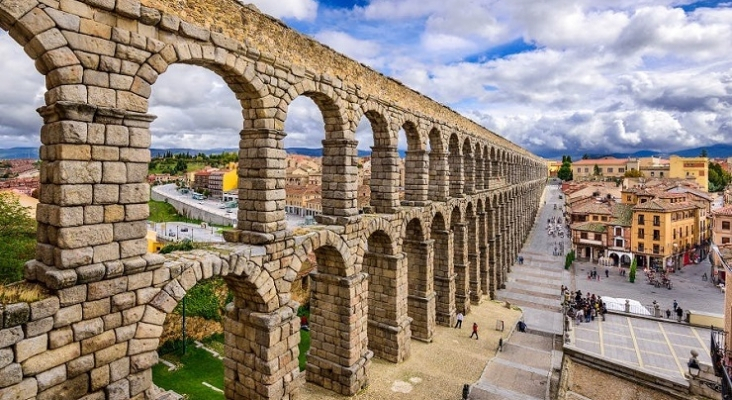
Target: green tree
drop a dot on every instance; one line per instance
(565, 171)
(718, 178)
(633, 267)
(703, 153)
(585, 156)
(596, 170)
(17, 238)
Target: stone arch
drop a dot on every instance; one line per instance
(444, 281)
(337, 349)
(313, 241)
(384, 160)
(468, 166)
(459, 228)
(456, 166)
(329, 103)
(420, 270)
(479, 167)
(388, 323)
(416, 167)
(483, 245)
(439, 171)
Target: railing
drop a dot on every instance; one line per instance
(720, 359)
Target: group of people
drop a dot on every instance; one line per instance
(459, 325)
(583, 308)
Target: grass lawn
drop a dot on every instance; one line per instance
(161, 211)
(195, 367)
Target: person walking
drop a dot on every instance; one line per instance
(675, 305)
(459, 323)
(679, 313)
(475, 331)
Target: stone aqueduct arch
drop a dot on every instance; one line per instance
(381, 279)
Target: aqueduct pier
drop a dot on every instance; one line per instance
(383, 278)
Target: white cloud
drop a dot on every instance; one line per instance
(295, 9)
(363, 50)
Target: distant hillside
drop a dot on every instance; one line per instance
(19, 152)
(714, 151)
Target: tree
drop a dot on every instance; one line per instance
(703, 153)
(585, 156)
(565, 171)
(633, 267)
(17, 238)
(596, 170)
(718, 177)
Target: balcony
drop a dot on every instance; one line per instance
(590, 241)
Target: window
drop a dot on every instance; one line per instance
(725, 225)
(725, 240)
(583, 235)
(674, 234)
(656, 234)
(609, 170)
(653, 173)
(641, 219)
(603, 218)
(621, 170)
(640, 247)
(618, 231)
(618, 242)
(587, 170)
(641, 233)
(656, 220)
(687, 231)
(598, 236)
(656, 249)
(594, 217)
(661, 174)
(628, 198)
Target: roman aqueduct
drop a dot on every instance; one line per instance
(383, 278)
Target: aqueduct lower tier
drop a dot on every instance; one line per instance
(382, 279)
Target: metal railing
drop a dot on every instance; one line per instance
(720, 359)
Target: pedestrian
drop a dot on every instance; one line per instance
(607, 273)
(675, 305)
(459, 323)
(668, 313)
(475, 331)
(679, 313)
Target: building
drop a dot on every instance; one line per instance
(600, 228)
(664, 228)
(200, 180)
(605, 167)
(222, 181)
(722, 238)
(696, 168)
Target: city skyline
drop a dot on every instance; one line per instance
(581, 76)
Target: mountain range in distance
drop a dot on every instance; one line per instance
(715, 151)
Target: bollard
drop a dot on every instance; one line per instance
(466, 391)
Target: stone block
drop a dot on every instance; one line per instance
(114, 172)
(60, 337)
(6, 356)
(66, 259)
(125, 333)
(67, 316)
(15, 314)
(148, 331)
(143, 361)
(94, 309)
(132, 248)
(99, 342)
(137, 212)
(80, 365)
(140, 382)
(51, 378)
(106, 252)
(39, 327)
(87, 328)
(114, 213)
(30, 347)
(119, 369)
(90, 273)
(44, 308)
(112, 353)
(10, 375)
(133, 315)
(49, 359)
(99, 377)
(70, 389)
(123, 301)
(26, 389)
(73, 295)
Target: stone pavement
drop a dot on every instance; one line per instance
(691, 292)
(655, 346)
(523, 370)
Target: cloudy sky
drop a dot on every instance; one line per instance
(554, 76)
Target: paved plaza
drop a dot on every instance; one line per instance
(658, 347)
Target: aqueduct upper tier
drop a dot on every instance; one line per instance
(383, 277)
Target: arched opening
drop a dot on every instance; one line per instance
(460, 260)
(338, 356)
(414, 172)
(23, 88)
(439, 171)
(482, 237)
(468, 167)
(382, 171)
(444, 277)
(456, 167)
(389, 325)
(304, 160)
(420, 269)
